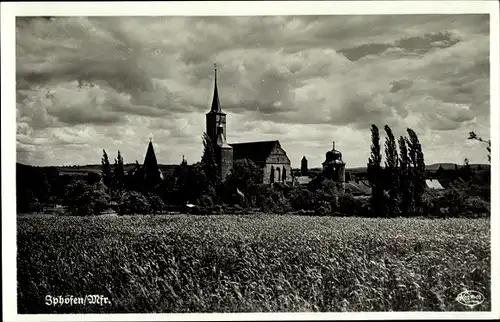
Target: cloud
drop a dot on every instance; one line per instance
(400, 85)
(303, 80)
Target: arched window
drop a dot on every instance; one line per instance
(283, 176)
(271, 179)
(279, 174)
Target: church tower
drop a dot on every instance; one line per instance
(216, 131)
(223, 154)
(303, 167)
(334, 166)
(215, 117)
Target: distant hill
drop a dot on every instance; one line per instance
(356, 170)
(96, 168)
(451, 166)
(167, 168)
(430, 167)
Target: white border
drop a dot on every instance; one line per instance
(8, 115)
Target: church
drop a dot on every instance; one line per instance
(268, 155)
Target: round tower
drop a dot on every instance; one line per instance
(334, 166)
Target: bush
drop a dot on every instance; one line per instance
(476, 207)
(132, 202)
(323, 208)
(432, 204)
(156, 204)
(267, 199)
(454, 203)
(205, 201)
(301, 199)
(347, 204)
(83, 199)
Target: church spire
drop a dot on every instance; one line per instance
(151, 171)
(215, 101)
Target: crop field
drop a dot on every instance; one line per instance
(258, 263)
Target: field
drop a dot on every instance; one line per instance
(255, 263)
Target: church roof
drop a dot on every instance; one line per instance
(150, 158)
(150, 163)
(358, 188)
(215, 108)
(255, 151)
(433, 184)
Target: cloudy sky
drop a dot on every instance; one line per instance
(90, 83)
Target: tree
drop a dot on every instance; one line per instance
(375, 173)
(191, 183)
(391, 171)
(107, 176)
(405, 181)
(417, 167)
(466, 170)
(134, 178)
(245, 173)
(208, 160)
(119, 173)
(83, 199)
(473, 136)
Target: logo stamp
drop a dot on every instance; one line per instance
(470, 298)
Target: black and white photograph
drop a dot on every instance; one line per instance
(250, 161)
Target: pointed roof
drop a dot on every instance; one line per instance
(150, 163)
(304, 159)
(215, 108)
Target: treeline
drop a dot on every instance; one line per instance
(398, 188)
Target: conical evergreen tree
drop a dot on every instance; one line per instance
(375, 173)
(406, 184)
(418, 168)
(107, 176)
(119, 173)
(391, 172)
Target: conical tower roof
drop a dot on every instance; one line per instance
(150, 159)
(150, 166)
(216, 108)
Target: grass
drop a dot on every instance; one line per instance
(183, 263)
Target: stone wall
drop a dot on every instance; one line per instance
(226, 161)
(277, 173)
(279, 161)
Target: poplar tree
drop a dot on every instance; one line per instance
(405, 182)
(418, 167)
(375, 173)
(391, 172)
(107, 176)
(119, 171)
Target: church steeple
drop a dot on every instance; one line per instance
(215, 101)
(215, 117)
(150, 169)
